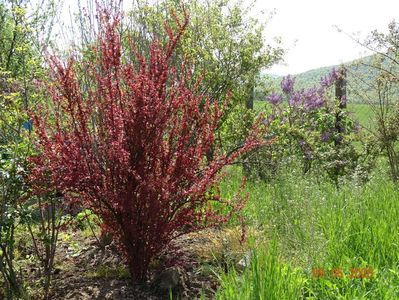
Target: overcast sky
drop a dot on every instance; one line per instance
(307, 29)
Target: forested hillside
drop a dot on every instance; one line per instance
(359, 77)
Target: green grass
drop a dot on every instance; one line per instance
(363, 113)
(317, 226)
(266, 278)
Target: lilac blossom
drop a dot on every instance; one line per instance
(313, 98)
(296, 99)
(329, 79)
(287, 84)
(274, 98)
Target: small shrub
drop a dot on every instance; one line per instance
(131, 144)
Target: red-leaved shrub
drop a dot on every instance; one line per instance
(129, 142)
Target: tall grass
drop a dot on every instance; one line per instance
(266, 278)
(318, 226)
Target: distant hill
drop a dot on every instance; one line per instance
(358, 77)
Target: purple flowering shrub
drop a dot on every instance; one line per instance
(303, 123)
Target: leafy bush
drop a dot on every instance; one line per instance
(130, 144)
(19, 65)
(383, 90)
(312, 126)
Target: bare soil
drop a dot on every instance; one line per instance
(86, 271)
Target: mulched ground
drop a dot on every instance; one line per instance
(85, 271)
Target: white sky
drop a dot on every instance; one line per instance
(310, 23)
(307, 30)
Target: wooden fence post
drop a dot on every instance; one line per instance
(340, 95)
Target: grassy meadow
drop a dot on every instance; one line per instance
(363, 113)
(311, 240)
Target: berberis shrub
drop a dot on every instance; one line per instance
(129, 142)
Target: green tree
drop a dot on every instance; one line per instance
(379, 87)
(225, 44)
(20, 64)
(226, 49)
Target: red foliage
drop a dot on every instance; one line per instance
(130, 143)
